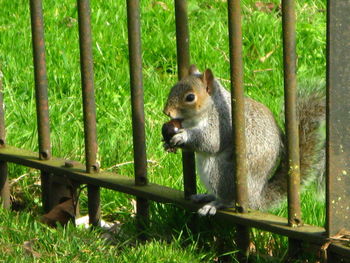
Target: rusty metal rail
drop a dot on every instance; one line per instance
(159, 193)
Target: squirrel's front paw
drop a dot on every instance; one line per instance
(179, 138)
(168, 148)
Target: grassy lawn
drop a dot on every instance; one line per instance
(171, 241)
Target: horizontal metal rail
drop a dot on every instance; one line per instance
(158, 193)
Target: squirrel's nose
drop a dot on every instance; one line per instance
(166, 112)
(170, 112)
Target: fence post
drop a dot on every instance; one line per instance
(183, 63)
(4, 185)
(338, 117)
(238, 122)
(89, 107)
(138, 115)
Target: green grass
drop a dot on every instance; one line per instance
(263, 81)
(80, 245)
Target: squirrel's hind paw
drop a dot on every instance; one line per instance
(207, 210)
(211, 208)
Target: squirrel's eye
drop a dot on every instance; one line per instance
(190, 97)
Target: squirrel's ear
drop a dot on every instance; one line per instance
(193, 70)
(208, 78)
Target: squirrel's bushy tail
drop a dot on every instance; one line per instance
(311, 111)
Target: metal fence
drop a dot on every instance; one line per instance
(56, 172)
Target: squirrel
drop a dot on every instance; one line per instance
(203, 106)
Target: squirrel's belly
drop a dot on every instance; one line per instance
(212, 168)
(205, 164)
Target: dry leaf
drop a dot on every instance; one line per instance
(28, 248)
(262, 70)
(342, 235)
(252, 247)
(264, 58)
(61, 213)
(266, 7)
(270, 247)
(134, 207)
(161, 4)
(110, 235)
(69, 21)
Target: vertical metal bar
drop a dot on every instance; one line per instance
(2, 115)
(182, 38)
(138, 115)
(42, 108)
(338, 117)
(291, 120)
(183, 62)
(87, 77)
(4, 186)
(89, 107)
(41, 96)
(94, 207)
(237, 93)
(292, 125)
(238, 121)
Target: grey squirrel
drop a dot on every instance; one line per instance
(203, 107)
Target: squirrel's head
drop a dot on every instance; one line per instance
(191, 95)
